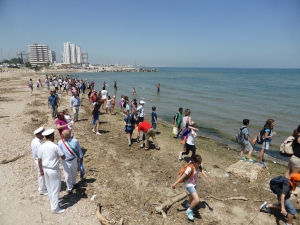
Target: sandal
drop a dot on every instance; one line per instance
(146, 149)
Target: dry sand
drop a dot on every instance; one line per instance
(127, 181)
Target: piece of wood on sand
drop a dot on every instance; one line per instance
(101, 218)
(168, 203)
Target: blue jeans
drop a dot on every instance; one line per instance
(191, 190)
(289, 207)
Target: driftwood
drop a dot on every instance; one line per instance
(167, 204)
(101, 218)
(232, 198)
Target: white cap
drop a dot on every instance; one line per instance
(48, 132)
(142, 102)
(39, 130)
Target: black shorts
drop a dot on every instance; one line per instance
(141, 119)
(190, 147)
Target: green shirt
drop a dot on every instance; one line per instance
(178, 118)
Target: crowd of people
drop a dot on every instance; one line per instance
(46, 155)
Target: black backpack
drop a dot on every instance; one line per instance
(276, 184)
(260, 137)
(239, 136)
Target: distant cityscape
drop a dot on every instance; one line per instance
(39, 55)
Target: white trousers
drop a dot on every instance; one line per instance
(70, 172)
(75, 112)
(41, 179)
(53, 182)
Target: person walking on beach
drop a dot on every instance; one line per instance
(48, 159)
(129, 122)
(283, 192)
(73, 155)
(75, 104)
(245, 145)
(108, 105)
(189, 175)
(112, 107)
(133, 91)
(115, 85)
(147, 129)
(178, 121)
(268, 134)
(140, 111)
(104, 94)
(53, 101)
(190, 141)
(35, 144)
(95, 116)
(30, 85)
(61, 123)
(121, 102)
(154, 117)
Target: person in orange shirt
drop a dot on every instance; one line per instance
(146, 127)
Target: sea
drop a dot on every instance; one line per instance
(219, 99)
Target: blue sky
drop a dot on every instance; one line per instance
(195, 33)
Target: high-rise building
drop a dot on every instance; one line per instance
(23, 55)
(72, 54)
(38, 54)
(67, 53)
(52, 56)
(84, 57)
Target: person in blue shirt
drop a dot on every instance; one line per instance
(53, 101)
(154, 117)
(246, 146)
(75, 104)
(73, 153)
(268, 128)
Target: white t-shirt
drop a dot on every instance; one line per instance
(191, 137)
(140, 110)
(108, 103)
(104, 94)
(35, 144)
(50, 153)
(191, 181)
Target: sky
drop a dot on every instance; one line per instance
(159, 33)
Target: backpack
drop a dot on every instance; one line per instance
(239, 136)
(286, 148)
(260, 137)
(184, 169)
(276, 184)
(184, 133)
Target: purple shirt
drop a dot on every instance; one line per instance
(61, 123)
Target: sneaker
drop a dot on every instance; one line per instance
(93, 130)
(142, 146)
(69, 192)
(264, 206)
(58, 211)
(242, 159)
(250, 160)
(43, 193)
(262, 164)
(129, 143)
(190, 214)
(180, 156)
(98, 133)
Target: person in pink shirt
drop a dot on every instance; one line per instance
(61, 123)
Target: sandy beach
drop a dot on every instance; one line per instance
(128, 182)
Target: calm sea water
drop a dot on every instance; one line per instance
(219, 99)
